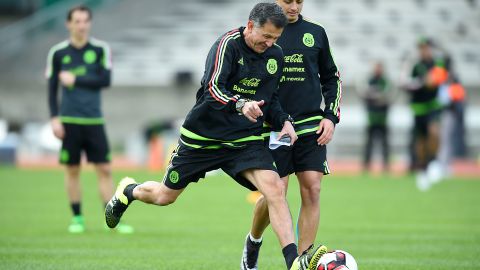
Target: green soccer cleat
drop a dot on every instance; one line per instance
(309, 258)
(77, 225)
(118, 204)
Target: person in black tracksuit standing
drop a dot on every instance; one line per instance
(224, 128)
(310, 75)
(377, 103)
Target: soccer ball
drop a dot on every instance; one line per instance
(337, 260)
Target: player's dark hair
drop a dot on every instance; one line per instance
(79, 8)
(263, 12)
(425, 41)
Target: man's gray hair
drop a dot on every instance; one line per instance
(263, 12)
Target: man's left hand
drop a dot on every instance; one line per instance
(325, 129)
(288, 130)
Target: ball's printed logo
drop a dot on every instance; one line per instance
(272, 66)
(308, 40)
(173, 176)
(90, 57)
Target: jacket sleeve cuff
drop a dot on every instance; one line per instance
(280, 120)
(232, 104)
(332, 118)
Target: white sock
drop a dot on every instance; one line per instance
(256, 241)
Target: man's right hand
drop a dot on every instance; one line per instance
(67, 78)
(252, 110)
(57, 128)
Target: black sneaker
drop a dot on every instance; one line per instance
(118, 204)
(250, 255)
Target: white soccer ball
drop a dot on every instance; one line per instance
(337, 260)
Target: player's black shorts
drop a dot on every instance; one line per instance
(189, 165)
(90, 138)
(422, 122)
(304, 155)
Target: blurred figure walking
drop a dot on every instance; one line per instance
(425, 79)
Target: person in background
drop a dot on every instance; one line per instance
(377, 102)
(425, 78)
(452, 96)
(81, 67)
(310, 77)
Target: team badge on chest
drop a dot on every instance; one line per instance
(308, 40)
(90, 57)
(272, 66)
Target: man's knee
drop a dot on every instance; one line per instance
(104, 170)
(313, 187)
(73, 172)
(275, 189)
(310, 189)
(311, 194)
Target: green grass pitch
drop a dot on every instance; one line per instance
(383, 221)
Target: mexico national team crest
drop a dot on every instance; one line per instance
(90, 57)
(308, 40)
(272, 66)
(173, 176)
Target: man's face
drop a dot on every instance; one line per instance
(261, 38)
(425, 51)
(378, 69)
(79, 25)
(291, 8)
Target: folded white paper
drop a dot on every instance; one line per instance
(274, 143)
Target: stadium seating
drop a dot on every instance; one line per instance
(178, 38)
(155, 46)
